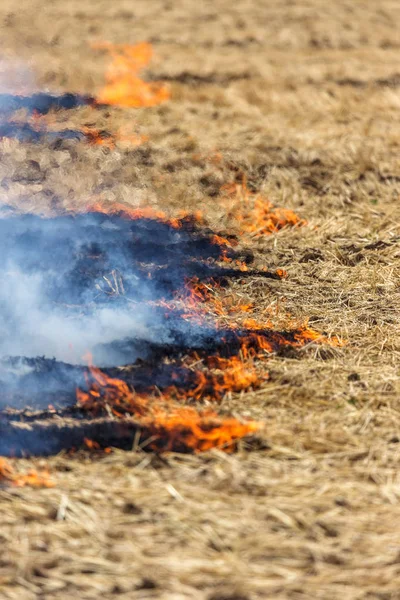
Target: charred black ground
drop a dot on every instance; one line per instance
(316, 514)
(41, 103)
(110, 284)
(89, 266)
(73, 278)
(24, 132)
(38, 105)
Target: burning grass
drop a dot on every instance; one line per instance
(314, 514)
(255, 215)
(40, 132)
(114, 261)
(169, 425)
(183, 220)
(32, 478)
(121, 261)
(124, 86)
(163, 413)
(182, 264)
(172, 424)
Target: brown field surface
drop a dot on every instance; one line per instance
(303, 96)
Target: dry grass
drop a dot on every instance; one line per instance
(304, 96)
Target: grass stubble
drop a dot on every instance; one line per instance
(304, 98)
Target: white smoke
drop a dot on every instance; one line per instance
(32, 326)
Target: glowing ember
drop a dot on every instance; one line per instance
(95, 447)
(32, 478)
(124, 86)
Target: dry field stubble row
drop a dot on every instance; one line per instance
(304, 97)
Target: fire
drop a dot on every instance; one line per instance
(98, 137)
(47, 123)
(250, 212)
(110, 396)
(166, 400)
(163, 411)
(126, 212)
(261, 341)
(221, 376)
(170, 425)
(218, 240)
(163, 414)
(172, 414)
(95, 137)
(235, 376)
(95, 447)
(199, 298)
(146, 212)
(32, 478)
(217, 377)
(124, 86)
(185, 429)
(43, 127)
(254, 214)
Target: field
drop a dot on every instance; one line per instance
(303, 97)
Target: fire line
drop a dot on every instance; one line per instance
(163, 340)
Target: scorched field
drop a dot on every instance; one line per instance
(199, 309)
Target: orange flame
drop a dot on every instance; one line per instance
(97, 137)
(170, 425)
(185, 429)
(256, 215)
(145, 212)
(95, 446)
(124, 87)
(113, 395)
(32, 478)
(92, 135)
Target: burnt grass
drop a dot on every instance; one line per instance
(75, 257)
(73, 254)
(303, 99)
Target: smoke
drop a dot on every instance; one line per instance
(71, 286)
(31, 325)
(90, 283)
